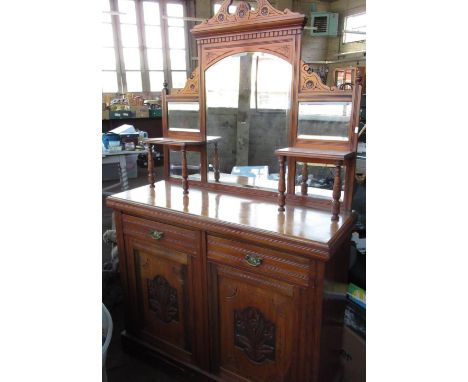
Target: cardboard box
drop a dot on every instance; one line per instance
(140, 111)
(353, 356)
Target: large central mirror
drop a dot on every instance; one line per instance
(247, 105)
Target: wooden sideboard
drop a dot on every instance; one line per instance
(227, 287)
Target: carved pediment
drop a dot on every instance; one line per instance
(192, 84)
(265, 16)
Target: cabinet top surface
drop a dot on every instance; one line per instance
(297, 222)
(312, 153)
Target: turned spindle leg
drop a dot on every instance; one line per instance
(304, 179)
(184, 170)
(151, 178)
(336, 191)
(281, 184)
(216, 162)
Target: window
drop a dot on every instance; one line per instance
(233, 7)
(144, 42)
(344, 76)
(357, 25)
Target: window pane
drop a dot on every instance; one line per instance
(134, 81)
(109, 82)
(156, 81)
(231, 9)
(129, 36)
(108, 58)
(178, 59)
(355, 23)
(155, 59)
(131, 58)
(107, 35)
(176, 38)
(175, 22)
(127, 7)
(153, 37)
(175, 10)
(105, 7)
(151, 13)
(179, 79)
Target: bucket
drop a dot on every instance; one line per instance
(106, 338)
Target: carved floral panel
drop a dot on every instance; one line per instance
(163, 299)
(254, 334)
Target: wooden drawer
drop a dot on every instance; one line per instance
(170, 236)
(266, 262)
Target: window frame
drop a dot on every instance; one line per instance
(144, 67)
(345, 34)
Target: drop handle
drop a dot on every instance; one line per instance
(253, 260)
(156, 235)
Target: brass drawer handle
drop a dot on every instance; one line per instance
(253, 260)
(156, 235)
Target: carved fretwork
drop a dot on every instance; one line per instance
(192, 84)
(254, 334)
(311, 81)
(162, 299)
(244, 18)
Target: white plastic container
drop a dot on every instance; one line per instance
(107, 327)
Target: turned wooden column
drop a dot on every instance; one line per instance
(281, 183)
(151, 178)
(184, 169)
(336, 191)
(305, 176)
(216, 162)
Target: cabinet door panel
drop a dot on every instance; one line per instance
(257, 321)
(161, 282)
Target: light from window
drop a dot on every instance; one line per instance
(133, 81)
(109, 82)
(151, 13)
(178, 79)
(127, 12)
(231, 9)
(354, 23)
(155, 59)
(222, 90)
(108, 59)
(129, 36)
(153, 36)
(156, 81)
(265, 93)
(178, 59)
(133, 59)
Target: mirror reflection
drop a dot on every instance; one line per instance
(324, 120)
(317, 179)
(247, 106)
(193, 164)
(183, 116)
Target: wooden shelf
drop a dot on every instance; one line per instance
(181, 142)
(312, 153)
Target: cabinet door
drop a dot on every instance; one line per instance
(160, 283)
(256, 320)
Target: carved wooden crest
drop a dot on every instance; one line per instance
(162, 299)
(311, 81)
(254, 334)
(192, 84)
(245, 18)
